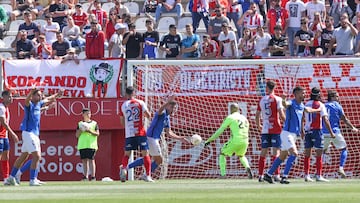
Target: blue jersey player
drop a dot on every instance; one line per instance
(336, 114)
(160, 122)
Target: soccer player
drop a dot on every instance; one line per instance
(87, 133)
(293, 127)
(313, 134)
(5, 129)
(238, 142)
(160, 122)
(270, 109)
(30, 127)
(131, 117)
(336, 113)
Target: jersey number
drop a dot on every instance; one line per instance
(243, 124)
(133, 114)
(267, 109)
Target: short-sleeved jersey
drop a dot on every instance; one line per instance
(188, 42)
(294, 114)
(269, 106)
(31, 121)
(172, 42)
(158, 124)
(313, 121)
(335, 112)
(150, 50)
(4, 112)
(133, 110)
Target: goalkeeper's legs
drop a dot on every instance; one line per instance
(222, 163)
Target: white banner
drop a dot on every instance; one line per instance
(89, 78)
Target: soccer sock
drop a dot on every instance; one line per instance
(244, 162)
(343, 157)
(26, 166)
(154, 166)
(32, 174)
(147, 164)
(14, 171)
(136, 163)
(277, 171)
(307, 165)
(222, 163)
(36, 172)
(125, 161)
(274, 166)
(318, 165)
(289, 164)
(5, 168)
(261, 165)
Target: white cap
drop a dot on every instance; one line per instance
(119, 26)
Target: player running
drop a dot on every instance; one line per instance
(313, 134)
(238, 142)
(131, 117)
(336, 113)
(270, 109)
(160, 122)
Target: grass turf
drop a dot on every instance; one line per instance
(186, 191)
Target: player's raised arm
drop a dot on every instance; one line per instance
(285, 103)
(222, 128)
(53, 97)
(29, 96)
(169, 101)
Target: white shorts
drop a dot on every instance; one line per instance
(338, 141)
(288, 140)
(31, 142)
(154, 146)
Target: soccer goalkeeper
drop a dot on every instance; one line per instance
(238, 142)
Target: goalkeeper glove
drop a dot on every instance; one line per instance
(206, 144)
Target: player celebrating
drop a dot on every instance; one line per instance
(292, 128)
(131, 116)
(30, 127)
(336, 113)
(238, 142)
(313, 134)
(5, 129)
(270, 109)
(160, 122)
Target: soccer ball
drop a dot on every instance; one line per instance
(84, 126)
(195, 139)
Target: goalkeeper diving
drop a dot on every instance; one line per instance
(238, 142)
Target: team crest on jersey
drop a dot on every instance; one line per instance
(100, 75)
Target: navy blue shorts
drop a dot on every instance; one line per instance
(270, 140)
(314, 138)
(4, 144)
(135, 143)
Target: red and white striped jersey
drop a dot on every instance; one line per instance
(269, 106)
(253, 22)
(313, 121)
(133, 110)
(4, 112)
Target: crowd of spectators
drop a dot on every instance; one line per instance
(261, 28)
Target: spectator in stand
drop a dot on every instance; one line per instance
(87, 27)
(59, 11)
(213, 4)
(227, 42)
(316, 28)
(262, 40)
(151, 40)
(278, 44)
(72, 33)
(304, 38)
(296, 10)
(44, 50)
(216, 22)
(326, 36)
(168, 6)
(95, 40)
(126, 19)
(21, 6)
(3, 20)
(60, 47)
(339, 7)
(190, 44)
(251, 19)
(30, 27)
(246, 5)
(110, 25)
(116, 48)
(50, 29)
(234, 13)
(171, 43)
(199, 10)
(133, 42)
(100, 14)
(24, 46)
(343, 36)
(71, 56)
(357, 38)
(209, 48)
(277, 16)
(246, 44)
(119, 8)
(80, 17)
(315, 6)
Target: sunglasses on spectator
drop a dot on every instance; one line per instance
(217, 11)
(303, 23)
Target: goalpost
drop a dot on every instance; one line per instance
(204, 88)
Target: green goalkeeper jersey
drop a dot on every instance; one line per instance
(239, 127)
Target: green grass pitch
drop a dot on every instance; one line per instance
(186, 191)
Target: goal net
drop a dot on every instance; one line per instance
(204, 90)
